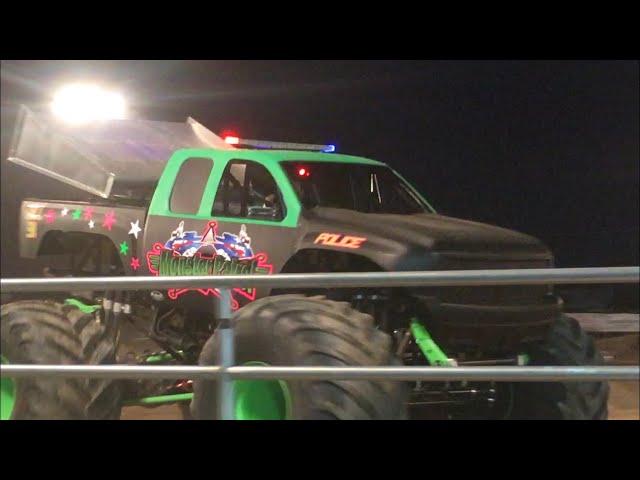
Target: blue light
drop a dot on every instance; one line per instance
(329, 149)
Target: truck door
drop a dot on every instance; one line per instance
(216, 213)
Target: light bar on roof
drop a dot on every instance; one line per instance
(232, 140)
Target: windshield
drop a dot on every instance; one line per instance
(359, 187)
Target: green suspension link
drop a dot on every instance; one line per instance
(434, 354)
(160, 399)
(428, 347)
(81, 306)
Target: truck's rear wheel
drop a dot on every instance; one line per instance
(296, 330)
(42, 332)
(567, 344)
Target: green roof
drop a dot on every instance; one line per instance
(296, 155)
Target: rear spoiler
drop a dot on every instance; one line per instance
(93, 157)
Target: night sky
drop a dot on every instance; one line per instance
(547, 148)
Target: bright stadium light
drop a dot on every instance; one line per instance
(81, 103)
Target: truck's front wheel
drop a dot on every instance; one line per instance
(295, 330)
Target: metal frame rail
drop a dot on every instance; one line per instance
(225, 372)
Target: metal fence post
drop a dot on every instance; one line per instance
(227, 354)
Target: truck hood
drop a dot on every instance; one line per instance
(428, 231)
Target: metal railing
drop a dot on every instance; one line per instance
(226, 372)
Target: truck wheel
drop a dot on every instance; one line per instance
(566, 344)
(295, 330)
(42, 332)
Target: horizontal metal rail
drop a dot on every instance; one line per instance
(533, 276)
(435, 374)
(225, 373)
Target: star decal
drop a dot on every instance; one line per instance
(64, 212)
(76, 214)
(109, 220)
(135, 263)
(135, 229)
(50, 216)
(91, 224)
(88, 213)
(124, 248)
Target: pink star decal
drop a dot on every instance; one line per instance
(135, 263)
(50, 216)
(88, 213)
(109, 220)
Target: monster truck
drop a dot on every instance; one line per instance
(167, 199)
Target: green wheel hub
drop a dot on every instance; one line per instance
(7, 394)
(261, 399)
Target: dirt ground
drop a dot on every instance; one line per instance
(624, 401)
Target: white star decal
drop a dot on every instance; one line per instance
(135, 229)
(91, 224)
(64, 212)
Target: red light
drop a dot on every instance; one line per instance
(302, 172)
(232, 140)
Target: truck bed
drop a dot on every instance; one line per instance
(50, 227)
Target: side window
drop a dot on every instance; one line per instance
(248, 190)
(189, 185)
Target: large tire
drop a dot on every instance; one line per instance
(566, 344)
(43, 332)
(295, 330)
